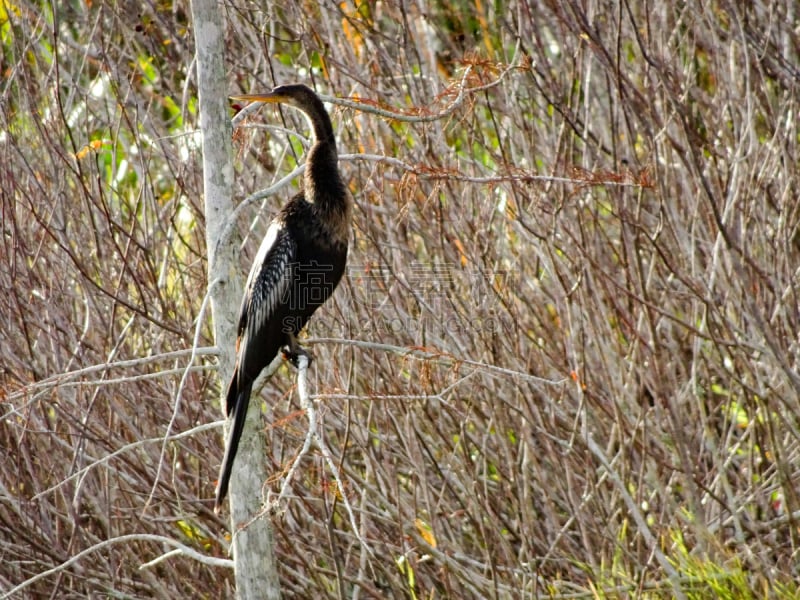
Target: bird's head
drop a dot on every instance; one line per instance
(295, 94)
(301, 97)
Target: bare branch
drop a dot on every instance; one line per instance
(123, 539)
(127, 448)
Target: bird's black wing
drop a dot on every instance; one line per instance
(263, 305)
(260, 333)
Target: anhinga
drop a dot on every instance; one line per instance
(300, 262)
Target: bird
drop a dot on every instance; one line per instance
(299, 264)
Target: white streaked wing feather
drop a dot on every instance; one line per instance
(269, 279)
(266, 245)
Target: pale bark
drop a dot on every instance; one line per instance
(252, 539)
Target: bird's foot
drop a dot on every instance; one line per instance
(293, 355)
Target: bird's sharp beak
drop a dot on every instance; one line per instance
(270, 97)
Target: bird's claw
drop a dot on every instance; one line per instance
(293, 356)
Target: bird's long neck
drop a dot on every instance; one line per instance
(320, 121)
(323, 184)
(326, 191)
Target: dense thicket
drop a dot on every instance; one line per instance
(565, 357)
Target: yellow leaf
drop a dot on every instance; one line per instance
(82, 152)
(93, 145)
(426, 532)
(352, 35)
(6, 8)
(460, 247)
(194, 534)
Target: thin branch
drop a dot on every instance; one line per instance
(394, 397)
(390, 114)
(193, 554)
(61, 378)
(439, 357)
(108, 382)
(641, 522)
(128, 448)
(313, 435)
(255, 197)
(418, 116)
(181, 386)
(123, 539)
(311, 414)
(519, 176)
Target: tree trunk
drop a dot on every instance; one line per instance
(255, 569)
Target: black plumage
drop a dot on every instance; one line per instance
(299, 264)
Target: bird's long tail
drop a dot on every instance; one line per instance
(237, 401)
